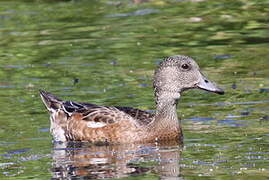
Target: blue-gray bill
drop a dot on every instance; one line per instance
(207, 85)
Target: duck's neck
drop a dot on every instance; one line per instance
(166, 116)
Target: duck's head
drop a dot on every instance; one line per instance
(176, 74)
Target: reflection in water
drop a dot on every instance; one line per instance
(77, 160)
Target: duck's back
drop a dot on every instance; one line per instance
(89, 122)
(142, 117)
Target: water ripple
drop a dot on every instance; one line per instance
(141, 12)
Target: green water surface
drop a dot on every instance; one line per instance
(105, 52)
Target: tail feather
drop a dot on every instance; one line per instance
(51, 102)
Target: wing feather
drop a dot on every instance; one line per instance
(106, 114)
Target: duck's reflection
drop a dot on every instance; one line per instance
(77, 160)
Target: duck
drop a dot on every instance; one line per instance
(87, 122)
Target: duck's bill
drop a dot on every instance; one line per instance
(207, 85)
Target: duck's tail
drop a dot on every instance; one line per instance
(51, 102)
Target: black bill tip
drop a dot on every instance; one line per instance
(220, 91)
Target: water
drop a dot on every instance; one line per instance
(105, 52)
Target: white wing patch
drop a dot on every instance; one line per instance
(98, 160)
(92, 124)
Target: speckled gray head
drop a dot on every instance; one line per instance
(178, 73)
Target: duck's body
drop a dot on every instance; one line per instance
(72, 121)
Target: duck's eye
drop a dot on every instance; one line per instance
(185, 66)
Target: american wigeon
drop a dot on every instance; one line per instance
(74, 121)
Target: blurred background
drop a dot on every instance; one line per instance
(105, 52)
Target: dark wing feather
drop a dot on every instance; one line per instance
(103, 114)
(97, 114)
(142, 117)
(107, 114)
(53, 103)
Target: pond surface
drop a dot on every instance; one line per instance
(104, 52)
